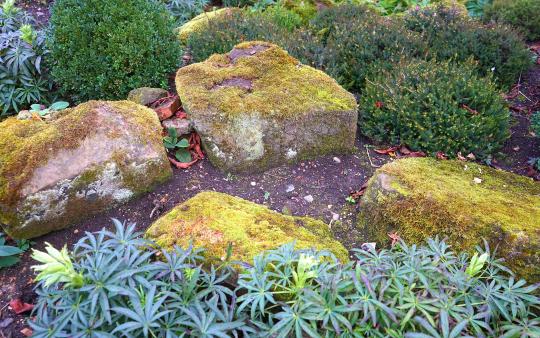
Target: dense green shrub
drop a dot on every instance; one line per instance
(113, 285)
(185, 10)
(450, 34)
(23, 78)
(224, 33)
(522, 14)
(435, 107)
(358, 41)
(105, 48)
(283, 17)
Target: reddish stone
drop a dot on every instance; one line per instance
(168, 108)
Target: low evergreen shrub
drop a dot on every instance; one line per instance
(434, 107)
(102, 49)
(118, 285)
(451, 34)
(357, 41)
(185, 10)
(522, 14)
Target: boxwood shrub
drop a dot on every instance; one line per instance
(119, 285)
(104, 48)
(451, 34)
(522, 14)
(435, 107)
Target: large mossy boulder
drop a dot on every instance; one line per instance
(84, 160)
(465, 202)
(212, 220)
(257, 107)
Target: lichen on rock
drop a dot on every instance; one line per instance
(212, 220)
(465, 202)
(84, 160)
(257, 105)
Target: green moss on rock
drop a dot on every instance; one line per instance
(274, 83)
(257, 107)
(83, 160)
(213, 220)
(201, 21)
(466, 202)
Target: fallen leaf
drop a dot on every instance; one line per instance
(386, 151)
(404, 150)
(460, 157)
(441, 156)
(18, 306)
(27, 332)
(417, 154)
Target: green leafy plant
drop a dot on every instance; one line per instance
(405, 291)
(535, 127)
(185, 10)
(46, 111)
(180, 147)
(451, 35)
(23, 79)
(435, 107)
(10, 254)
(475, 8)
(102, 49)
(283, 17)
(56, 268)
(522, 14)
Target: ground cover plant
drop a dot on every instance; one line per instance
(450, 34)
(23, 76)
(185, 10)
(435, 107)
(103, 49)
(522, 14)
(112, 284)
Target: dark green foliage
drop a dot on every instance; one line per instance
(450, 34)
(23, 78)
(185, 10)
(522, 14)
(10, 252)
(224, 33)
(283, 17)
(435, 107)
(535, 127)
(238, 3)
(358, 41)
(406, 291)
(104, 48)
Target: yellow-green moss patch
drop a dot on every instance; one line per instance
(420, 198)
(213, 220)
(280, 85)
(201, 21)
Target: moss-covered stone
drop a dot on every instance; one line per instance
(55, 172)
(213, 220)
(257, 107)
(146, 96)
(465, 202)
(200, 22)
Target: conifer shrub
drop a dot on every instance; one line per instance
(105, 48)
(116, 284)
(223, 33)
(434, 107)
(522, 14)
(451, 34)
(358, 41)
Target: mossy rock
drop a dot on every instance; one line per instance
(146, 95)
(56, 172)
(212, 220)
(465, 202)
(257, 107)
(201, 21)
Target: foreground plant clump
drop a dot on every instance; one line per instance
(118, 284)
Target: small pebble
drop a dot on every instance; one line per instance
(337, 160)
(290, 188)
(253, 184)
(308, 198)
